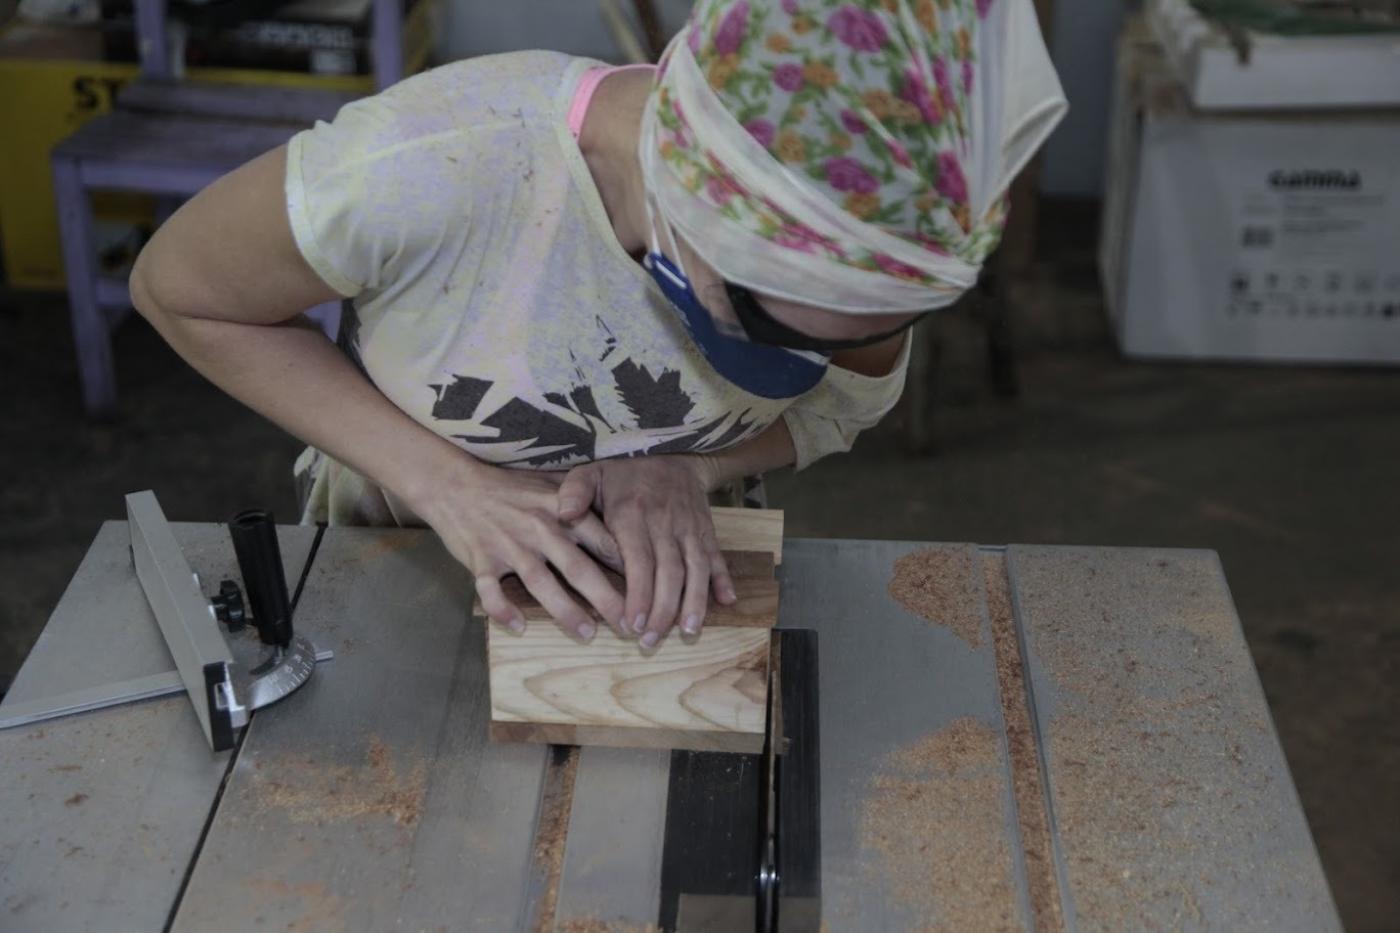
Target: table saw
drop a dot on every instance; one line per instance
(1023, 738)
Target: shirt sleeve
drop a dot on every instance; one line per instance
(373, 194)
(828, 419)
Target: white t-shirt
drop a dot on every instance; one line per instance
(491, 301)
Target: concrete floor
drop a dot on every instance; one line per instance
(1288, 473)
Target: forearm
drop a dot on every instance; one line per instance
(771, 449)
(296, 378)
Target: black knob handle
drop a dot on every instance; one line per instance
(228, 606)
(260, 561)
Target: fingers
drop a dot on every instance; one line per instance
(670, 581)
(639, 568)
(583, 574)
(496, 606)
(720, 581)
(593, 536)
(565, 611)
(577, 491)
(697, 587)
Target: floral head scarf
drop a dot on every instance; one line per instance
(851, 154)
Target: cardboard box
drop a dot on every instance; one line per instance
(1254, 70)
(1252, 237)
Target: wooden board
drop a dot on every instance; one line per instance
(706, 694)
(371, 799)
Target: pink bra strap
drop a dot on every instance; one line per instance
(583, 95)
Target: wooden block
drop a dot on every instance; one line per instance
(710, 694)
(707, 695)
(750, 530)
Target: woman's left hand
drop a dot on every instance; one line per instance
(657, 510)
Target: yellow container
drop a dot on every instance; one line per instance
(44, 99)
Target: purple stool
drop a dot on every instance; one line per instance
(171, 139)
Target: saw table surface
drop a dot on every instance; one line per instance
(1038, 738)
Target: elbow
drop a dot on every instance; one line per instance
(150, 291)
(141, 288)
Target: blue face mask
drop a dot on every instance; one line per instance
(759, 369)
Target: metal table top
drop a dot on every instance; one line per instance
(1022, 738)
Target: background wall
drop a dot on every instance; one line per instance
(1082, 40)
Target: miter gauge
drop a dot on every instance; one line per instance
(227, 663)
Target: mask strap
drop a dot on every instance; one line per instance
(658, 223)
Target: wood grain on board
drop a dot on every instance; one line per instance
(706, 694)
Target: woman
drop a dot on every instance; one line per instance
(655, 280)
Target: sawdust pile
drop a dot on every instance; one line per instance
(933, 820)
(1161, 786)
(1027, 781)
(310, 791)
(593, 925)
(552, 832)
(942, 585)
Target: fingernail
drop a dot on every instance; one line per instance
(691, 625)
(586, 631)
(650, 639)
(729, 593)
(622, 626)
(568, 505)
(516, 625)
(640, 624)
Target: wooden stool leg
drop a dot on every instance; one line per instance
(386, 54)
(91, 334)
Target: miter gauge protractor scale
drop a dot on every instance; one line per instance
(226, 676)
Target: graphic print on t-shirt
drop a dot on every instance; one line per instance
(658, 406)
(656, 403)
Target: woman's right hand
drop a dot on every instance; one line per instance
(498, 522)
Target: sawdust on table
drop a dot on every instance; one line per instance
(551, 834)
(1158, 790)
(594, 925)
(1026, 779)
(943, 586)
(370, 545)
(933, 819)
(310, 791)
